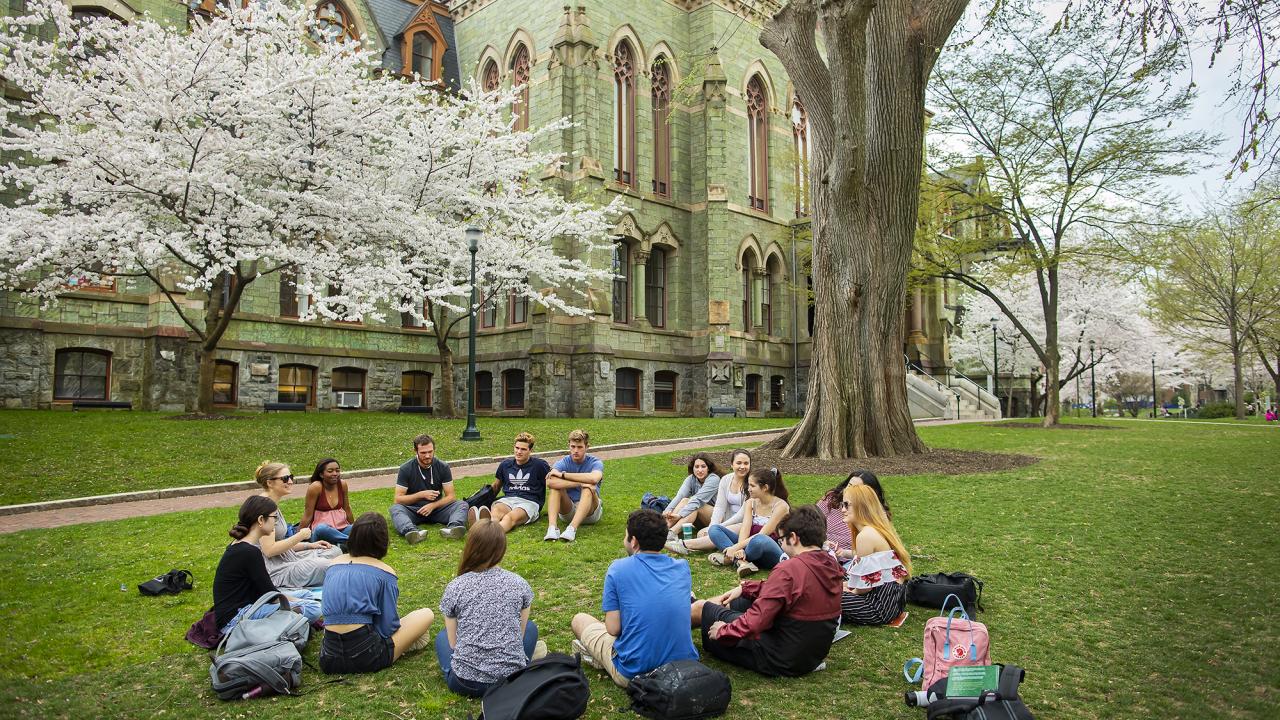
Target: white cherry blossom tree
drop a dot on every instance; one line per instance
(204, 159)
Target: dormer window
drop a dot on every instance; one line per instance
(423, 48)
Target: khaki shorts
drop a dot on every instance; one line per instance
(566, 513)
(599, 643)
(529, 507)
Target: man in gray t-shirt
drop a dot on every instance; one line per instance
(424, 494)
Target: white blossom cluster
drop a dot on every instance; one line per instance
(238, 145)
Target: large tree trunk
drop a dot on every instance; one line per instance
(217, 319)
(1237, 372)
(865, 105)
(446, 406)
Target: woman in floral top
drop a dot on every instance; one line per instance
(877, 576)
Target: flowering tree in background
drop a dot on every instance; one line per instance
(203, 161)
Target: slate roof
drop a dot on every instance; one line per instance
(393, 18)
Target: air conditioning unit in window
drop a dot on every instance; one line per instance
(348, 399)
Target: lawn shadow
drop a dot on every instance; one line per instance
(938, 461)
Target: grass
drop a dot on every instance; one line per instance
(50, 455)
(1133, 573)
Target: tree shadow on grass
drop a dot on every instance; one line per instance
(939, 461)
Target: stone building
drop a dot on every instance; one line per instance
(676, 106)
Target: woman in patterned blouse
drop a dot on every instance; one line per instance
(877, 575)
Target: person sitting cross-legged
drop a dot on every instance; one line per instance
(522, 480)
(784, 625)
(645, 598)
(574, 483)
(424, 494)
(363, 629)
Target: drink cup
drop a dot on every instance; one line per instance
(687, 532)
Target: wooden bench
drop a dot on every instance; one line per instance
(419, 409)
(718, 411)
(110, 404)
(284, 407)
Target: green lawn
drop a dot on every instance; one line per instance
(1133, 572)
(50, 455)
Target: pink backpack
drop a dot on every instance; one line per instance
(949, 641)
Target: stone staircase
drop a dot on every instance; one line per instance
(954, 397)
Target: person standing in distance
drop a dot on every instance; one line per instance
(574, 483)
(424, 494)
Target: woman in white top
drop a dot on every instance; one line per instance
(757, 536)
(877, 575)
(291, 561)
(730, 497)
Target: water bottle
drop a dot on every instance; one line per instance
(687, 532)
(254, 692)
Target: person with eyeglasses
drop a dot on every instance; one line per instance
(877, 575)
(241, 577)
(291, 561)
(755, 545)
(839, 539)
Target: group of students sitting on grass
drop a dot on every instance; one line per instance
(840, 559)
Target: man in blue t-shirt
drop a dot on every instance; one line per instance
(574, 483)
(646, 597)
(522, 480)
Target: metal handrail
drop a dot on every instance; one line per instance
(945, 388)
(979, 390)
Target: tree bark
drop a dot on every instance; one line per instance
(217, 319)
(1237, 371)
(865, 105)
(446, 406)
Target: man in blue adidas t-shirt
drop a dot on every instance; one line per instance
(644, 596)
(522, 480)
(574, 483)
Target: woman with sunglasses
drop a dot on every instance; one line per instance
(877, 576)
(832, 506)
(241, 577)
(291, 561)
(756, 545)
(328, 508)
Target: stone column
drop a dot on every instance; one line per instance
(916, 335)
(637, 286)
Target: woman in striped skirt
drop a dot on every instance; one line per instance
(876, 591)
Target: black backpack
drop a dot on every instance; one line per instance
(680, 690)
(550, 688)
(932, 590)
(1004, 704)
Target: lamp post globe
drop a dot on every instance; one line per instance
(471, 433)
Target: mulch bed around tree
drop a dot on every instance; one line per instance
(941, 461)
(208, 416)
(1063, 426)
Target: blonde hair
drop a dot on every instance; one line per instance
(866, 510)
(579, 436)
(266, 471)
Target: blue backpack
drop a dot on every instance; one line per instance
(656, 503)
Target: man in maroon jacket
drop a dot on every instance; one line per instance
(785, 624)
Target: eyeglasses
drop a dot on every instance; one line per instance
(284, 478)
(272, 516)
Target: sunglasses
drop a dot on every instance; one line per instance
(845, 505)
(284, 478)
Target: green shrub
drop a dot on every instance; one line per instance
(1218, 410)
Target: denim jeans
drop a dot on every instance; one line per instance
(330, 534)
(471, 688)
(300, 599)
(762, 550)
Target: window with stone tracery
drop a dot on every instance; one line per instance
(624, 114)
(520, 78)
(800, 138)
(333, 23)
(758, 144)
(489, 79)
(661, 83)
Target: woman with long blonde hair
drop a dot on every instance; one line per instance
(876, 591)
(292, 561)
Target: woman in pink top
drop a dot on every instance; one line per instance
(328, 509)
(838, 535)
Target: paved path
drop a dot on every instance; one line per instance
(233, 498)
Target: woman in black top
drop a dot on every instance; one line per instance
(242, 576)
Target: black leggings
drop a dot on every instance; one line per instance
(360, 651)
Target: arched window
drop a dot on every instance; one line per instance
(423, 51)
(225, 377)
(800, 138)
(415, 388)
(753, 393)
(777, 396)
(489, 79)
(513, 389)
(484, 390)
(626, 395)
(661, 84)
(664, 390)
(758, 143)
(348, 387)
(297, 385)
(655, 287)
(621, 282)
(333, 23)
(81, 374)
(624, 114)
(520, 78)
(749, 265)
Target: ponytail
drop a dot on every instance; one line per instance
(254, 507)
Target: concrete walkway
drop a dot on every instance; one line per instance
(232, 498)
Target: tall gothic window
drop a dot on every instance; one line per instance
(621, 282)
(661, 83)
(800, 138)
(520, 78)
(624, 114)
(489, 79)
(758, 143)
(748, 290)
(655, 287)
(333, 23)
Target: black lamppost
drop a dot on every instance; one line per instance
(995, 364)
(1077, 394)
(1153, 385)
(1093, 383)
(472, 432)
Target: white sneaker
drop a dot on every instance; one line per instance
(821, 666)
(480, 513)
(453, 532)
(569, 534)
(678, 547)
(671, 535)
(718, 558)
(413, 537)
(539, 650)
(422, 643)
(587, 658)
(552, 533)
